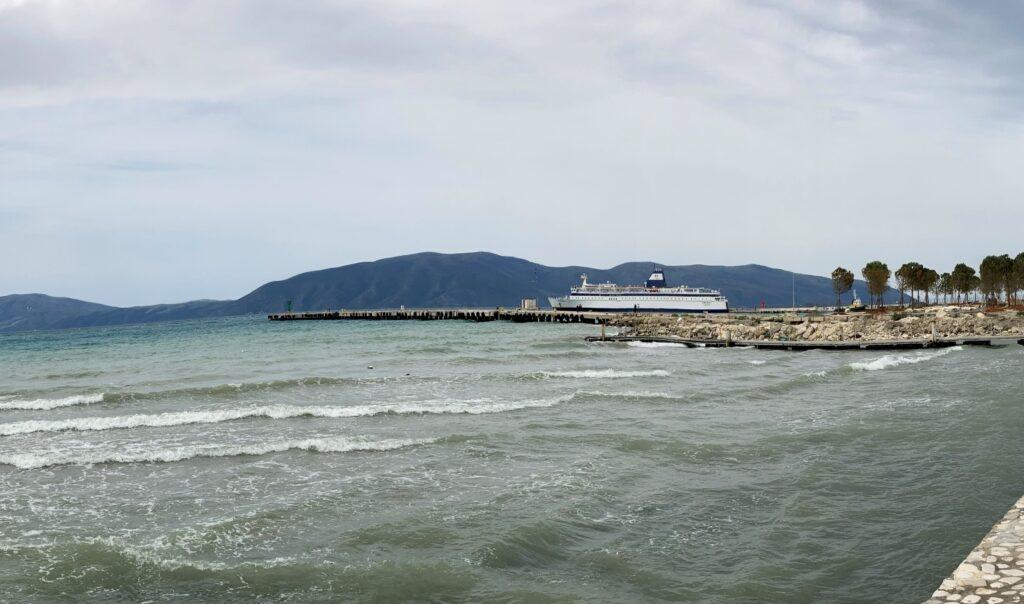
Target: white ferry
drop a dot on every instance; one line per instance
(654, 296)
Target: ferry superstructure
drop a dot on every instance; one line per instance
(654, 296)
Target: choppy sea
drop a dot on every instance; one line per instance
(239, 460)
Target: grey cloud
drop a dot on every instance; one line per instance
(137, 165)
(331, 34)
(400, 126)
(32, 53)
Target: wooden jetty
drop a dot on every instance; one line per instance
(514, 315)
(798, 345)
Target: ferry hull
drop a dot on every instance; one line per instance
(614, 304)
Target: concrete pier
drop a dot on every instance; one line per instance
(514, 315)
(518, 315)
(993, 573)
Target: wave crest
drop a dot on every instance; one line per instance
(26, 461)
(180, 418)
(41, 404)
(894, 360)
(605, 374)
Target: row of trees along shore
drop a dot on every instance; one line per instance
(999, 278)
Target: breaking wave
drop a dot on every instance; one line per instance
(641, 395)
(27, 461)
(10, 403)
(638, 344)
(244, 388)
(181, 418)
(605, 373)
(894, 360)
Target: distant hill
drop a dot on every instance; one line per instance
(148, 314)
(24, 312)
(484, 280)
(428, 279)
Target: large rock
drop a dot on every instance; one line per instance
(969, 575)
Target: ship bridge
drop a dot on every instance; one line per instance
(657, 279)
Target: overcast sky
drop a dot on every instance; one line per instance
(158, 151)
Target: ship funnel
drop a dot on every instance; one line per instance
(657, 279)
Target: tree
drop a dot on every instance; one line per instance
(842, 282)
(962, 279)
(903, 279)
(928, 279)
(1018, 275)
(1006, 276)
(911, 275)
(946, 286)
(996, 274)
(877, 274)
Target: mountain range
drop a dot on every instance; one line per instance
(424, 280)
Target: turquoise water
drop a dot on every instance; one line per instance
(238, 460)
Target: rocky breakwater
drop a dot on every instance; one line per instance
(993, 572)
(939, 322)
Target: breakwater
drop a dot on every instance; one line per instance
(923, 325)
(994, 570)
(450, 314)
(930, 328)
(797, 345)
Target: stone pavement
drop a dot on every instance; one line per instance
(993, 572)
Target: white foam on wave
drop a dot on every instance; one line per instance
(757, 362)
(636, 344)
(626, 394)
(27, 461)
(181, 418)
(605, 373)
(894, 360)
(41, 404)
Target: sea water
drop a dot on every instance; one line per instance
(239, 459)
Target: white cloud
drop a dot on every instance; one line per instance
(162, 150)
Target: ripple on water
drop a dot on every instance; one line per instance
(536, 544)
(115, 567)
